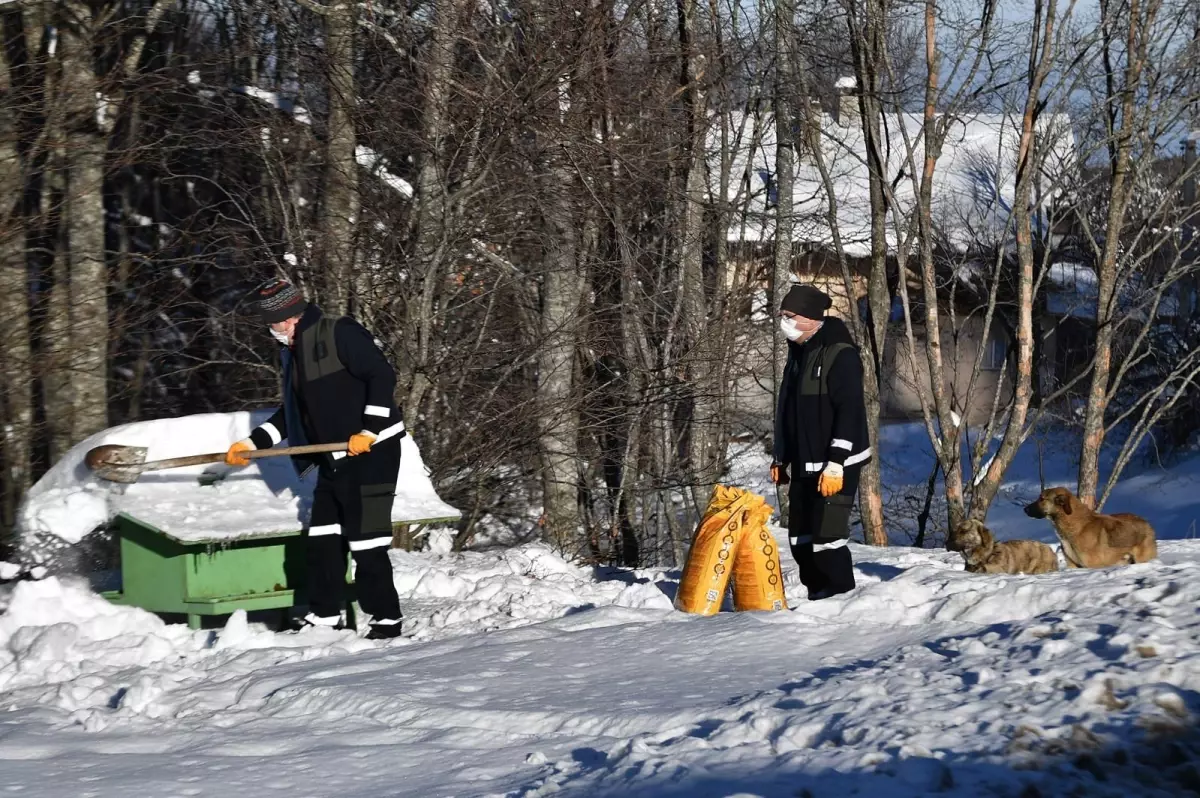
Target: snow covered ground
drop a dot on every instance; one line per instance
(527, 676)
(522, 675)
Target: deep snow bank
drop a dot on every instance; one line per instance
(924, 680)
(73, 649)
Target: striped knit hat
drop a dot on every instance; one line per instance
(278, 300)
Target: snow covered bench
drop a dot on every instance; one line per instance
(205, 540)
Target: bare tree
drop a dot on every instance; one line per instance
(786, 63)
(868, 24)
(1044, 49)
(339, 204)
(537, 208)
(702, 370)
(432, 211)
(82, 159)
(1139, 48)
(15, 348)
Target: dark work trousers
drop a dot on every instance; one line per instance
(818, 529)
(352, 508)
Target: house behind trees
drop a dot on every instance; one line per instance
(973, 190)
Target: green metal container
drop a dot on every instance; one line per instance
(163, 574)
(198, 577)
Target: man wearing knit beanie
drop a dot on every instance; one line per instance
(337, 386)
(278, 300)
(821, 435)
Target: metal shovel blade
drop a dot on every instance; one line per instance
(116, 463)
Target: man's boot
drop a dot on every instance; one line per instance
(311, 621)
(385, 631)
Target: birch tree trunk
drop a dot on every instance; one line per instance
(83, 213)
(558, 414)
(1124, 119)
(52, 367)
(54, 363)
(1042, 53)
(703, 358)
(721, 280)
(947, 441)
(785, 179)
(867, 47)
(339, 206)
(431, 209)
(17, 410)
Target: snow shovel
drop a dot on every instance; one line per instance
(126, 463)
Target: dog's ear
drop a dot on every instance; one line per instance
(1063, 500)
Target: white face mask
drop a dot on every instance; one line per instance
(793, 331)
(282, 338)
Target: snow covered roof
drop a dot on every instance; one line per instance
(973, 185)
(1073, 289)
(265, 498)
(1073, 276)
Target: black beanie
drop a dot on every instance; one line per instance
(278, 300)
(807, 301)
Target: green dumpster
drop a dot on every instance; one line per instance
(215, 576)
(197, 576)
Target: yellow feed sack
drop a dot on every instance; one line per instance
(718, 537)
(757, 580)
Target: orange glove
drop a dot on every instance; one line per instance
(360, 443)
(779, 474)
(234, 456)
(831, 480)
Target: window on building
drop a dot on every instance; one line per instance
(895, 313)
(997, 352)
(772, 187)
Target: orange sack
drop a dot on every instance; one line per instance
(757, 579)
(732, 514)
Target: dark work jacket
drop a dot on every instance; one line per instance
(331, 392)
(815, 427)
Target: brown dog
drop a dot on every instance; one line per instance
(983, 554)
(1091, 539)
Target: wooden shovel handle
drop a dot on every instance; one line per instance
(310, 448)
(253, 454)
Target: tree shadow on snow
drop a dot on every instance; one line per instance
(669, 585)
(1152, 759)
(1118, 753)
(608, 573)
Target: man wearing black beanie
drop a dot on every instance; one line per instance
(821, 435)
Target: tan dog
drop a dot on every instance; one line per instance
(1091, 539)
(983, 554)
